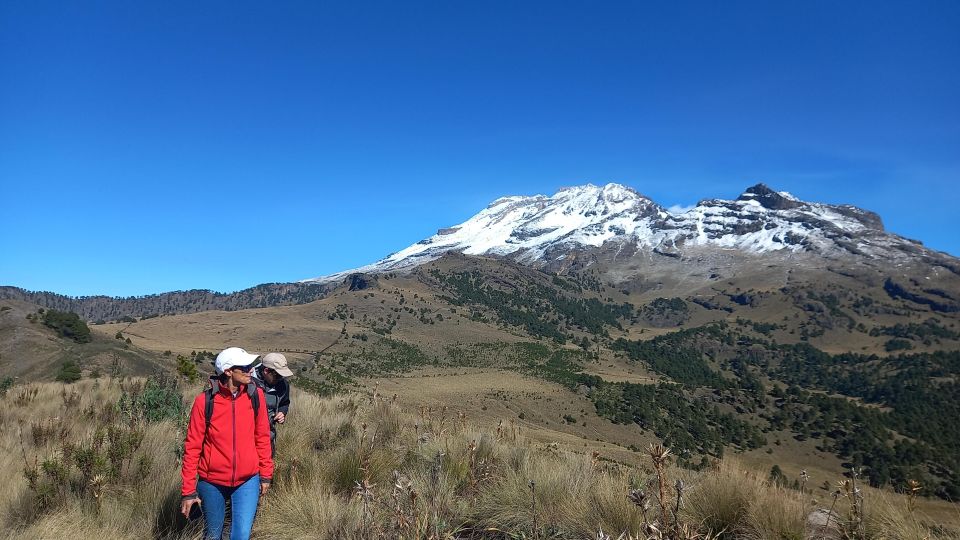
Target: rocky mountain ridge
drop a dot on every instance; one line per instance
(544, 231)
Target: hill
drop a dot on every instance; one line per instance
(31, 350)
(106, 308)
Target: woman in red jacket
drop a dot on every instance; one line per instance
(228, 446)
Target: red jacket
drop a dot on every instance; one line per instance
(236, 447)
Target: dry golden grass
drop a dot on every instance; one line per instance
(777, 513)
(43, 421)
(889, 519)
(489, 397)
(363, 467)
(721, 500)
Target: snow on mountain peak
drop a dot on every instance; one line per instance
(528, 228)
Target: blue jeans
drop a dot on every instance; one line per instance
(243, 504)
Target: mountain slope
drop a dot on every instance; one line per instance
(550, 231)
(31, 351)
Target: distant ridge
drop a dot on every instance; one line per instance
(106, 308)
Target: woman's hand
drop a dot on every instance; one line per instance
(263, 488)
(187, 504)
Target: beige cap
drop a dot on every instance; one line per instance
(276, 362)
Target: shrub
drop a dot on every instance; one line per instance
(187, 368)
(897, 344)
(777, 477)
(69, 372)
(68, 325)
(156, 400)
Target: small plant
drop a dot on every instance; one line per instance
(187, 369)
(48, 430)
(777, 477)
(533, 508)
(26, 395)
(5, 385)
(660, 455)
(913, 489)
(71, 399)
(364, 492)
(836, 495)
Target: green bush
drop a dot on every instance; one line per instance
(158, 399)
(68, 325)
(5, 385)
(187, 368)
(69, 372)
(897, 345)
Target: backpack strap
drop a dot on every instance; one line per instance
(207, 415)
(254, 400)
(208, 406)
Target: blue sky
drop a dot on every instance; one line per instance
(154, 146)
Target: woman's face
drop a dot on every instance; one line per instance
(240, 375)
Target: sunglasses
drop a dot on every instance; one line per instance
(246, 369)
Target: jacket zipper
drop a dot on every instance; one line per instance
(233, 403)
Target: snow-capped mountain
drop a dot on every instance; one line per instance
(540, 230)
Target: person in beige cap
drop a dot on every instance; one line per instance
(271, 375)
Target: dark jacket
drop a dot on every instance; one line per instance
(278, 400)
(278, 397)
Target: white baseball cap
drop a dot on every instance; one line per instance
(234, 356)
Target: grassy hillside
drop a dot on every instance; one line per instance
(36, 342)
(781, 367)
(99, 459)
